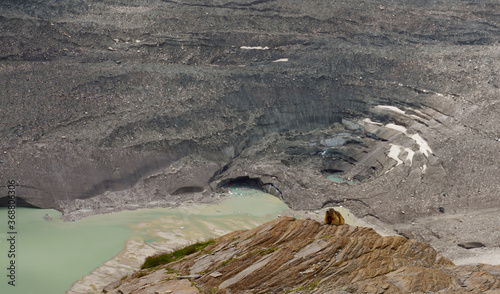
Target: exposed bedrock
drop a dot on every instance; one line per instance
(304, 256)
(389, 110)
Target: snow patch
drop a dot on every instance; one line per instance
(397, 150)
(396, 127)
(399, 153)
(369, 121)
(390, 108)
(254, 48)
(424, 147)
(394, 153)
(410, 154)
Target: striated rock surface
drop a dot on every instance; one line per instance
(287, 255)
(387, 108)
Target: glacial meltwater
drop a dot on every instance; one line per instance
(51, 255)
(339, 179)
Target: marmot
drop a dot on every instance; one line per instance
(333, 217)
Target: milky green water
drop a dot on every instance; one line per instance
(339, 179)
(51, 255)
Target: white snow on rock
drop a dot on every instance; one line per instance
(281, 60)
(396, 127)
(390, 108)
(424, 147)
(397, 152)
(369, 121)
(254, 48)
(394, 153)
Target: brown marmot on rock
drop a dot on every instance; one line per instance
(333, 217)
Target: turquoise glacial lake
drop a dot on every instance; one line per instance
(51, 255)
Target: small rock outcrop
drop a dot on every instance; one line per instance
(287, 255)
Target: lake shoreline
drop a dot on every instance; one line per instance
(199, 223)
(91, 206)
(114, 269)
(135, 251)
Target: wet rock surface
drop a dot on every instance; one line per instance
(127, 104)
(305, 256)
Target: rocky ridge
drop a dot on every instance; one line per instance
(289, 255)
(128, 104)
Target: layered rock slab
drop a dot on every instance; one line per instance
(290, 255)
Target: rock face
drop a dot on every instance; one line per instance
(304, 256)
(132, 103)
(97, 98)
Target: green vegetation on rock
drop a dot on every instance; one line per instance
(164, 258)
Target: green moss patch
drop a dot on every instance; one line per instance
(164, 258)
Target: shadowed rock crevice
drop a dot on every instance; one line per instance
(187, 190)
(246, 182)
(20, 202)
